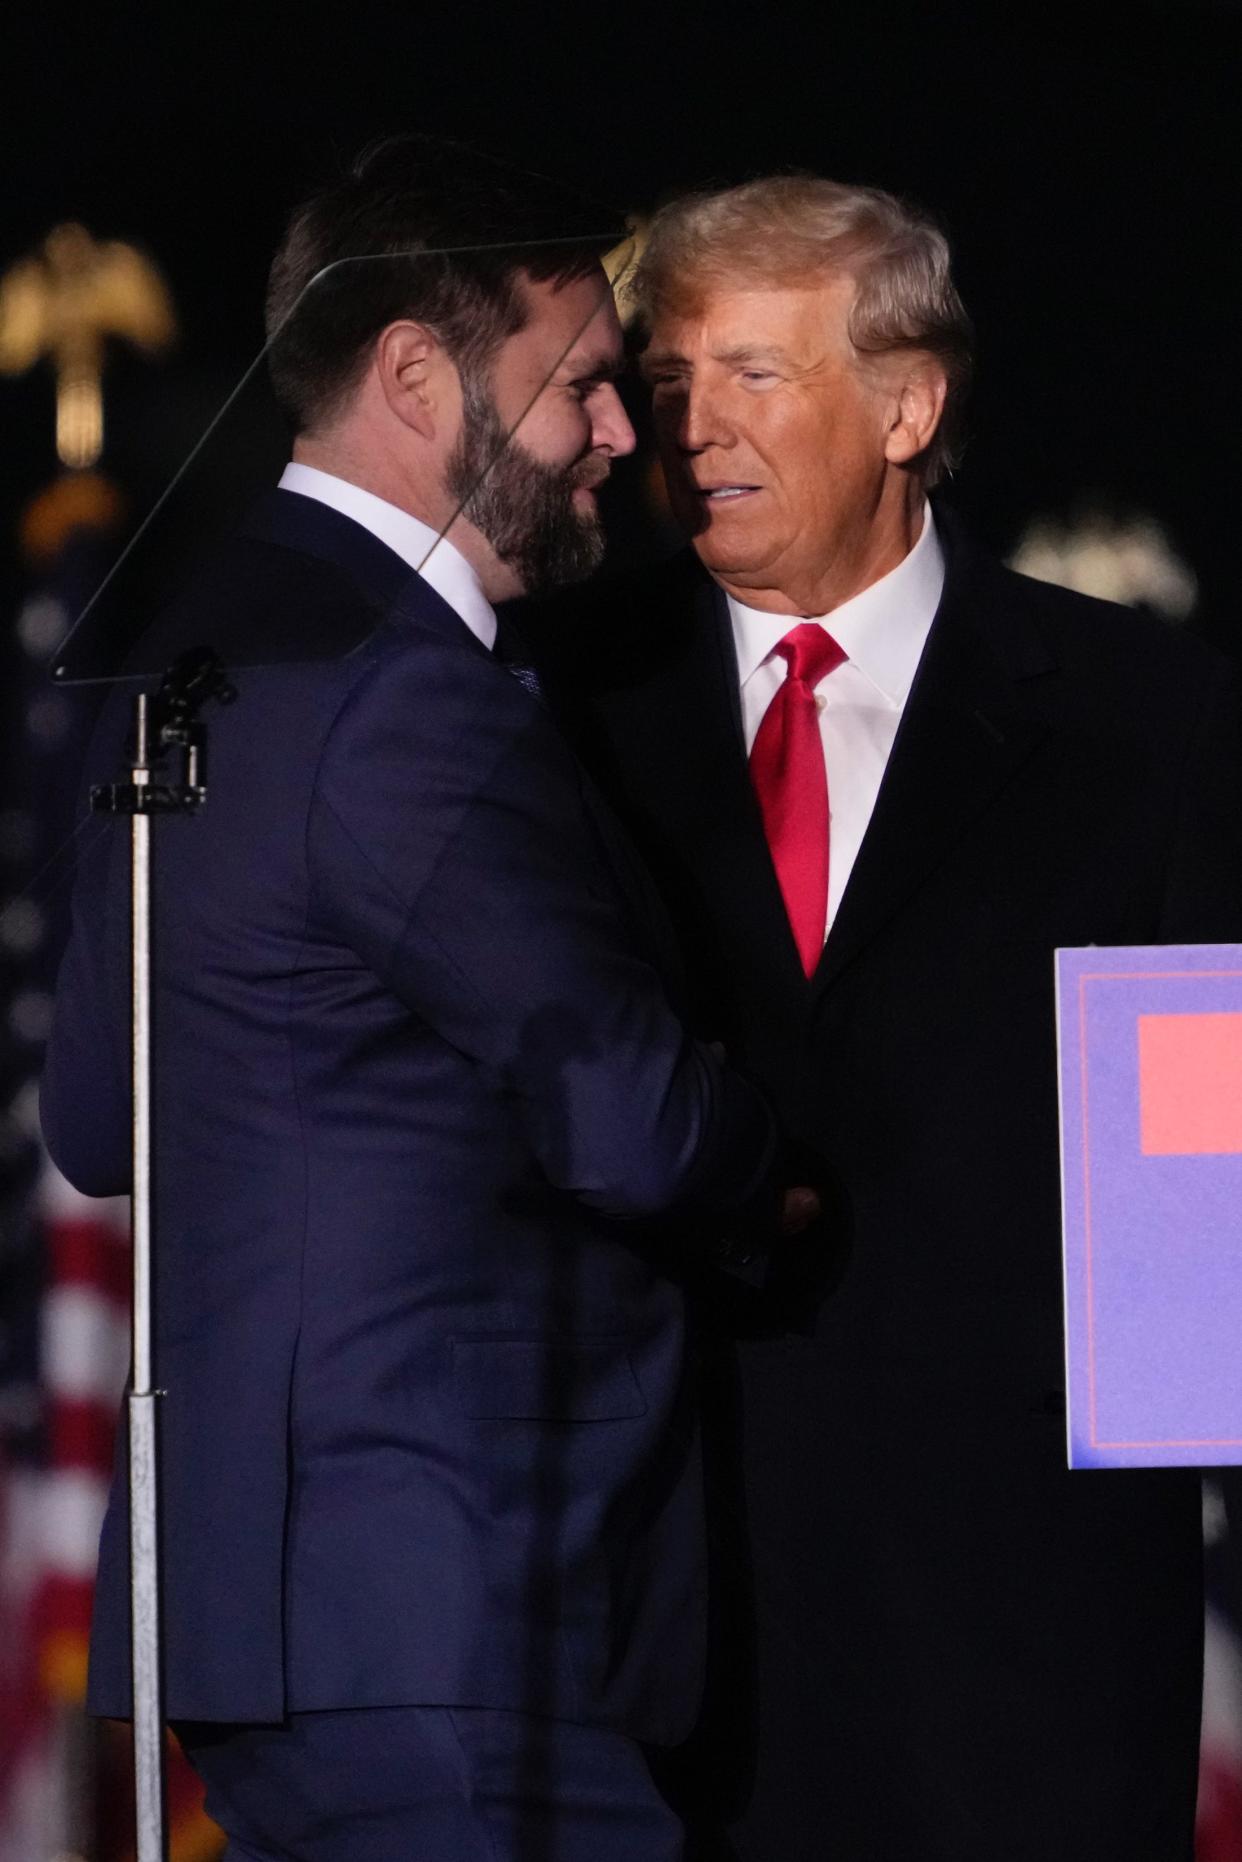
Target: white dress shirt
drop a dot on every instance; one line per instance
(884, 631)
(433, 556)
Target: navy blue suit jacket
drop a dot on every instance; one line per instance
(428, 1433)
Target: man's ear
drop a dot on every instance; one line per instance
(916, 411)
(415, 375)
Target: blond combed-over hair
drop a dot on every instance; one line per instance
(788, 229)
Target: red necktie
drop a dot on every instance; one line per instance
(787, 769)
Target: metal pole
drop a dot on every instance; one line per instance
(143, 1472)
(172, 720)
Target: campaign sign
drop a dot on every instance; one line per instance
(1150, 1042)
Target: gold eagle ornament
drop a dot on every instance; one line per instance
(65, 302)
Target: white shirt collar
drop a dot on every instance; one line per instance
(437, 560)
(882, 630)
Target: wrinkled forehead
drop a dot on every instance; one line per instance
(721, 315)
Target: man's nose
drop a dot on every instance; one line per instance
(611, 431)
(694, 418)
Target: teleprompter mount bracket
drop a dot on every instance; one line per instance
(170, 721)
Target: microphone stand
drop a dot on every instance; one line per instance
(168, 722)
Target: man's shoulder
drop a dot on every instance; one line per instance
(1125, 650)
(256, 603)
(265, 604)
(1104, 639)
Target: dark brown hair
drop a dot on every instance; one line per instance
(421, 228)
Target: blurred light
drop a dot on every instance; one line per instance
(75, 501)
(30, 1015)
(85, 1345)
(72, 1510)
(24, 1109)
(65, 302)
(21, 927)
(41, 625)
(1129, 560)
(79, 420)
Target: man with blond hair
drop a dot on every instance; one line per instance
(880, 780)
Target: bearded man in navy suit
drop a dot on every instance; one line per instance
(880, 780)
(431, 1510)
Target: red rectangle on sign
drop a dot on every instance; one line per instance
(1190, 1084)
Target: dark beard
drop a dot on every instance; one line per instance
(524, 508)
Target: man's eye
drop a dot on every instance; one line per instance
(758, 375)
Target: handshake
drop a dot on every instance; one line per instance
(800, 1205)
(800, 1208)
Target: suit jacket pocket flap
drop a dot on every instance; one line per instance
(579, 1380)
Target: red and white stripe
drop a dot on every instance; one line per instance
(85, 1360)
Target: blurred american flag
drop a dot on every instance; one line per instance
(64, 1264)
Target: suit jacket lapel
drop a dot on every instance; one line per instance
(963, 735)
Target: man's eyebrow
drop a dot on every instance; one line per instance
(739, 355)
(593, 368)
(743, 353)
(657, 359)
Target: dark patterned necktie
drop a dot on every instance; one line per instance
(516, 658)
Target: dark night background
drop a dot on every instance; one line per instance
(1086, 160)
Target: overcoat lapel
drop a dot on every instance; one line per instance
(966, 730)
(963, 734)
